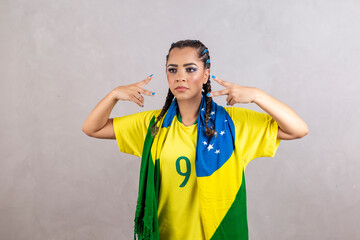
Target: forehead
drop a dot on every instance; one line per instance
(186, 54)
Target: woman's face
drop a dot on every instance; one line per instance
(186, 74)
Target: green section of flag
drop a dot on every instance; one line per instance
(146, 219)
(234, 225)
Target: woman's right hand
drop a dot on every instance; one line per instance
(133, 92)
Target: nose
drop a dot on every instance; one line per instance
(180, 77)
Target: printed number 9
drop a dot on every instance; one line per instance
(188, 170)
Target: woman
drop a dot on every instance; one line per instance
(194, 151)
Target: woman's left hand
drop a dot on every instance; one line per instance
(236, 93)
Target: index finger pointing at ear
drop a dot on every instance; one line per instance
(146, 80)
(221, 82)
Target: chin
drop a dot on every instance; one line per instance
(185, 97)
(181, 98)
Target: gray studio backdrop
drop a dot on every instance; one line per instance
(58, 59)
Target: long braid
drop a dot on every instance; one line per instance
(168, 101)
(209, 130)
(204, 56)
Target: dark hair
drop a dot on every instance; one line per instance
(204, 56)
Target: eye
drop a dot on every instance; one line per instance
(191, 69)
(172, 70)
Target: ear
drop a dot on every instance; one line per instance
(206, 75)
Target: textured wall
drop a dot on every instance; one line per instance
(58, 59)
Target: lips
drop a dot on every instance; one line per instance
(181, 88)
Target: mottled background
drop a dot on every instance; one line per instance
(58, 59)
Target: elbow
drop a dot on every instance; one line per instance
(303, 132)
(88, 133)
(306, 132)
(300, 133)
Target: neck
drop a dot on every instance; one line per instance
(189, 110)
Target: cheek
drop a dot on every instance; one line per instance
(170, 80)
(196, 80)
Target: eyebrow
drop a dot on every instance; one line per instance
(186, 64)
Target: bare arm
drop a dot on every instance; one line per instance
(291, 126)
(98, 123)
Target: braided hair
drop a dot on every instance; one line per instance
(204, 56)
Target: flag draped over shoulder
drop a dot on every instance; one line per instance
(219, 174)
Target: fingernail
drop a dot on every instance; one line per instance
(142, 106)
(151, 75)
(227, 104)
(208, 94)
(153, 93)
(213, 76)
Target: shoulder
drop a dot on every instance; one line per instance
(148, 113)
(144, 116)
(134, 125)
(238, 113)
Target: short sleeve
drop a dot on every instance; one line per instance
(255, 132)
(130, 131)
